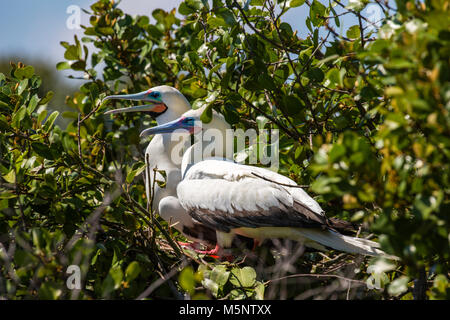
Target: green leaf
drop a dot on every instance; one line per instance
(143, 21)
(112, 281)
(42, 150)
(353, 32)
(36, 235)
(47, 98)
(18, 116)
(292, 105)
(211, 286)
(336, 18)
(399, 64)
(41, 116)
(132, 271)
(356, 5)
(10, 177)
(72, 53)
(63, 65)
(33, 104)
(398, 286)
(220, 275)
(49, 291)
(244, 277)
(133, 173)
(215, 22)
(336, 152)
(333, 78)
(8, 195)
(317, 11)
(187, 280)
(117, 275)
(107, 31)
(227, 16)
(78, 65)
(206, 116)
(294, 3)
(184, 9)
(70, 114)
(441, 284)
(259, 291)
(24, 73)
(50, 121)
(315, 74)
(22, 86)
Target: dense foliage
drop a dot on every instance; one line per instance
(363, 118)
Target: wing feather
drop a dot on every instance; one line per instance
(225, 195)
(230, 171)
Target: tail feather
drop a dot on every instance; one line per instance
(344, 243)
(342, 226)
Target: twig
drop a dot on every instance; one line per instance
(293, 135)
(348, 291)
(147, 178)
(361, 30)
(282, 184)
(155, 170)
(420, 285)
(91, 113)
(313, 53)
(258, 32)
(144, 213)
(78, 137)
(299, 275)
(160, 281)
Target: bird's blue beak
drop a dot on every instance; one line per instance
(188, 124)
(155, 107)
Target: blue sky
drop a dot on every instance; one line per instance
(33, 29)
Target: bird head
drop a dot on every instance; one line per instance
(191, 123)
(182, 123)
(163, 103)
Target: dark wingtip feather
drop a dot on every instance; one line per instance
(342, 226)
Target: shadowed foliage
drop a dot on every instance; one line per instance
(364, 121)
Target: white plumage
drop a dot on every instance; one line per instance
(241, 186)
(254, 202)
(165, 104)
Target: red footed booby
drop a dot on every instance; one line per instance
(235, 199)
(164, 104)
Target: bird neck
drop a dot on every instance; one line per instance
(168, 148)
(219, 147)
(165, 150)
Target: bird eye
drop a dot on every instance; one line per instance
(154, 94)
(189, 120)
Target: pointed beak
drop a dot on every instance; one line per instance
(168, 127)
(155, 107)
(134, 96)
(147, 108)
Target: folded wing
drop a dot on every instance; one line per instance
(225, 195)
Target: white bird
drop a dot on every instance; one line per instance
(253, 202)
(165, 104)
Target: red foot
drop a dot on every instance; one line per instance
(193, 246)
(186, 244)
(214, 251)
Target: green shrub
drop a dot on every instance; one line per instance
(363, 119)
